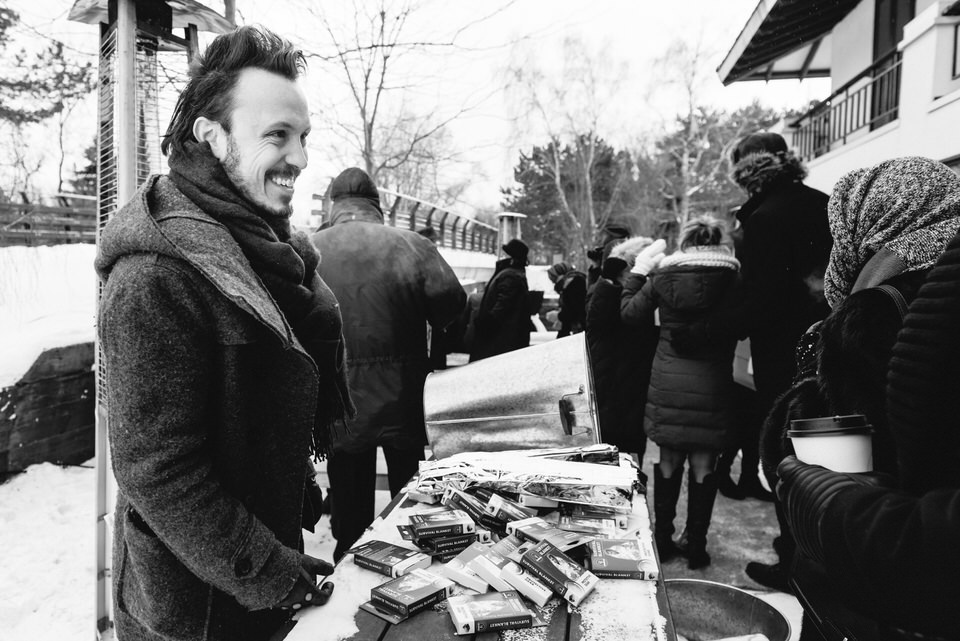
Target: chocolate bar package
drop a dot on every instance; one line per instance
(559, 572)
(622, 559)
(490, 612)
(406, 595)
(387, 558)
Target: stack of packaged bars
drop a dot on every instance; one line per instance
(501, 534)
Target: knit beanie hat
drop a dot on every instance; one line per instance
(556, 271)
(517, 250)
(355, 183)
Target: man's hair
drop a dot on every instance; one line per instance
(214, 73)
(704, 231)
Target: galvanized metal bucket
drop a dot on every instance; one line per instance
(537, 397)
(704, 610)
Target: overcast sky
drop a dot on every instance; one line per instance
(631, 34)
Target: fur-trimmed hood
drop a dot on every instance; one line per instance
(758, 171)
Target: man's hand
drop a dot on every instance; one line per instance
(305, 591)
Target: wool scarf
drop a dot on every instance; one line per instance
(907, 206)
(286, 262)
(703, 256)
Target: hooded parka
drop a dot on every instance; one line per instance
(691, 400)
(211, 403)
(390, 283)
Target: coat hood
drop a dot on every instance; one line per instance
(695, 280)
(355, 208)
(181, 230)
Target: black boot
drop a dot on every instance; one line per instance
(699, 512)
(725, 484)
(666, 492)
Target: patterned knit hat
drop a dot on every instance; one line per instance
(909, 206)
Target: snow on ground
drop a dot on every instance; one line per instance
(47, 299)
(47, 538)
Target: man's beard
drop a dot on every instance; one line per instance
(231, 165)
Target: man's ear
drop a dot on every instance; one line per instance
(212, 132)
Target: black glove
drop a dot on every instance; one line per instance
(595, 254)
(305, 591)
(807, 490)
(613, 267)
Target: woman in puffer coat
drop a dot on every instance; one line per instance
(691, 408)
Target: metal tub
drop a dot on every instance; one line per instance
(537, 397)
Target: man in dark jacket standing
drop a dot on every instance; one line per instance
(390, 283)
(222, 351)
(502, 323)
(785, 249)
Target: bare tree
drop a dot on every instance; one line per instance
(387, 118)
(694, 149)
(570, 105)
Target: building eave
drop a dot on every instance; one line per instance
(778, 29)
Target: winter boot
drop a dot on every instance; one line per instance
(666, 492)
(699, 511)
(725, 484)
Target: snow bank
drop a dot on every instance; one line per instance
(47, 299)
(47, 539)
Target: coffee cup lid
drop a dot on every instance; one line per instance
(845, 431)
(829, 423)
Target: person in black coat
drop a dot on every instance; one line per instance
(890, 222)
(620, 356)
(691, 410)
(502, 322)
(390, 284)
(890, 551)
(571, 286)
(785, 247)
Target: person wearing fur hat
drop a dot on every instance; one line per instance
(390, 283)
(691, 411)
(620, 356)
(502, 322)
(571, 285)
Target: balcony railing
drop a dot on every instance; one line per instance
(453, 231)
(871, 99)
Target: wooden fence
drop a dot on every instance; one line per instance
(32, 225)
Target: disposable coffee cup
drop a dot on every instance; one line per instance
(838, 443)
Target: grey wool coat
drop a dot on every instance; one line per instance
(211, 405)
(691, 404)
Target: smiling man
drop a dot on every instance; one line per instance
(223, 353)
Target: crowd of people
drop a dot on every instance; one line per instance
(237, 349)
